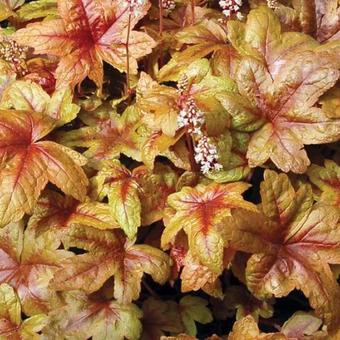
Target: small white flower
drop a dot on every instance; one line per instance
(226, 12)
(272, 4)
(231, 7)
(239, 16)
(206, 155)
(190, 116)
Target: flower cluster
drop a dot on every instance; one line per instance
(206, 155)
(272, 4)
(191, 117)
(168, 5)
(183, 85)
(231, 7)
(15, 55)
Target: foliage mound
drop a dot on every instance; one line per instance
(169, 169)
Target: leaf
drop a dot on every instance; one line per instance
(159, 144)
(261, 38)
(12, 327)
(136, 198)
(106, 135)
(247, 328)
(200, 212)
(38, 9)
(87, 35)
(29, 96)
(204, 38)
(292, 244)
(117, 182)
(28, 266)
(232, 148)
(193, 309)
(157, 105)
(319, 18)
(327, 179)
(160, 105)
(7, 76)
(109, 254)
(84, 316)
(278, 91)
(160, 317)
(55, 214)
(7, 8)
(301, 324)
(195, 276)
(154, 189)
(27, 164)
(330, 103)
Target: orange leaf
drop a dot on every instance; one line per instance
(26, 165)
(110, 254)
(89, 33)
(200, 213)
(292, 242)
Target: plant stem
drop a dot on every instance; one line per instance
(193, 11)
(128, 56)
(190, 145)
(160, 5)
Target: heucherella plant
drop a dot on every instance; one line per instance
(169, 169)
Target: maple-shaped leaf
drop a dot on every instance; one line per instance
(29, 96)
(277, 93)
(109, 254)
(84, 316)
(327, 179)
(292, 242)
(136, 197)
(262, 38)
(193, 308)
(117, 183)
(89, 33)
(106, 134)
(202, 39)
(200, 213)
(7, 8)
(28, 266)
(55, 213)
(12, 326)
(159, 317)
(247, 328)
(27, 164)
